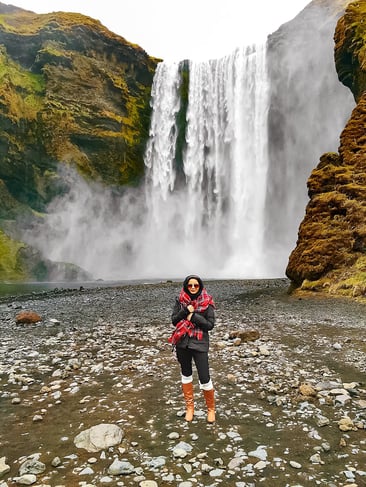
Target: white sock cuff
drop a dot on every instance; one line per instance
(206, 387)
(187, 380)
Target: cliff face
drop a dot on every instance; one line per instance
(71, 92)
(331, 249)
(305, 94)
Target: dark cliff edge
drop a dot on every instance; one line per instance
(71, 93)
(330, 254)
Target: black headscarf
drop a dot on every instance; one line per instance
(186, 289)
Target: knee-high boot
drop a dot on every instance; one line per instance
(188, 396)
(210, 403)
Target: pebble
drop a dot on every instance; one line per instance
(108, 358)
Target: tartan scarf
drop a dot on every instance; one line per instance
(185, 327)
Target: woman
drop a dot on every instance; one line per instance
(193, 317)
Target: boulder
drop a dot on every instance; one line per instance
(245, 335)
(99, 437)
(28, 317)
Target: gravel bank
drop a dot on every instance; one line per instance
(291, 405)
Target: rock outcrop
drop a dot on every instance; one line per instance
(330, 254)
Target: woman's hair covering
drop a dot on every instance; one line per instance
(185, 285)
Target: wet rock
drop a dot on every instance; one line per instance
(27, 317)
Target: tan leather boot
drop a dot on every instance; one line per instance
(188, 396)
(210, 403)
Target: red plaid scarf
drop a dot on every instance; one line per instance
(185, 327)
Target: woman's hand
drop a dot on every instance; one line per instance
(189, 316)
(190, 308)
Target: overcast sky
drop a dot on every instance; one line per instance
(186, 29)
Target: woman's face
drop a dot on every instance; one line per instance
(193, 286)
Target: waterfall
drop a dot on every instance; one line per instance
(215, 199)
(213, 223)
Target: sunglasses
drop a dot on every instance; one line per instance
(193, 285)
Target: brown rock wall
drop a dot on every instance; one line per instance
(331, 244)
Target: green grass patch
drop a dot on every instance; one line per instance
(10, 267)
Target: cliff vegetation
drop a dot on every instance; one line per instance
(71, 92)
(330, 255)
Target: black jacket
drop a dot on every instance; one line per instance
(205, 321)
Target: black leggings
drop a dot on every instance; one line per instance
(185, 356)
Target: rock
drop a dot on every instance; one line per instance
(346, 424)
(4, 468)
(99, 437)
(56, 462)
(179, 452)
(32, 466)
(245, 335)
(361, 403)
(121, 468)
(232, 379)
(55, 321)
(260, 453)
(260, 465)
(307, 390)
(315, 459)
(27, 317)
(217, 472)
(27, 479)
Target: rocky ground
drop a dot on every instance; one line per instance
(291, 404)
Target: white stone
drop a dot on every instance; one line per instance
(4, 468)
(99, 437)
(27, 479)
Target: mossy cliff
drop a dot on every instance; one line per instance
(330, 254)
(71, 92)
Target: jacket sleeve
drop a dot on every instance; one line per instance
(179, 312)
(206, 320)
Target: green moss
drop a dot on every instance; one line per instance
(318, 285)
(21, 90)
(76, 94)
(360, 264)
(10, 266)
(19, 77)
